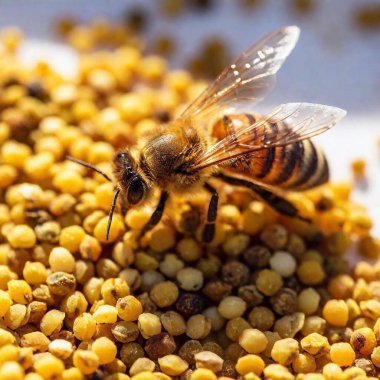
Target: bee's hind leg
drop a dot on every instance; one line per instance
(277, 202)
(157, 214)
(212, 212)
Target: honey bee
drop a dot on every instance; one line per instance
(217, 139)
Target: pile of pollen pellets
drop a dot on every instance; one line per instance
(269, 298)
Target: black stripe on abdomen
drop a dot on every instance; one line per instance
(325, 176)
(307, 164)
(289, 155)
(270, 152)
(321, 175)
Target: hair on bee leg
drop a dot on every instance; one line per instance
(157, 214)
(112, 210)
(209, 230)
(89, 166)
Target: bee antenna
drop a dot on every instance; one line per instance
(110, 216)
(89, 166)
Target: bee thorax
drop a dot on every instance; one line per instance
(166, 160)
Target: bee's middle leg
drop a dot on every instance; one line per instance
(157, 213)
(212, 212)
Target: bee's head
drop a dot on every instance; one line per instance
(128, 177)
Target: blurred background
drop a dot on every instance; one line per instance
(336, 61)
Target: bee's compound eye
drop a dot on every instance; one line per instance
(135, 191)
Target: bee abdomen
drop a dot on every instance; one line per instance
(287, 162)
(307, 165)
(320, 175)
(279, 166)
(298, 166)
(269, 158)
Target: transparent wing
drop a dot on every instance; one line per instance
(288, 123)
(249, 78)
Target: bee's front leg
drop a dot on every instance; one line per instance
(209, 230)
(157, 214)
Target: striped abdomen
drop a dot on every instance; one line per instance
(297, 166)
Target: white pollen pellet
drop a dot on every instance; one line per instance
(283, 263)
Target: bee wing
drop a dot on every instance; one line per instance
(291, 122)
(249, 78)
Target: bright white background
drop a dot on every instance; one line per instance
(334, 62)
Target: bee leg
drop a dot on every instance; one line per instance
(209, 230)
(278, 203)
(157, 214)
